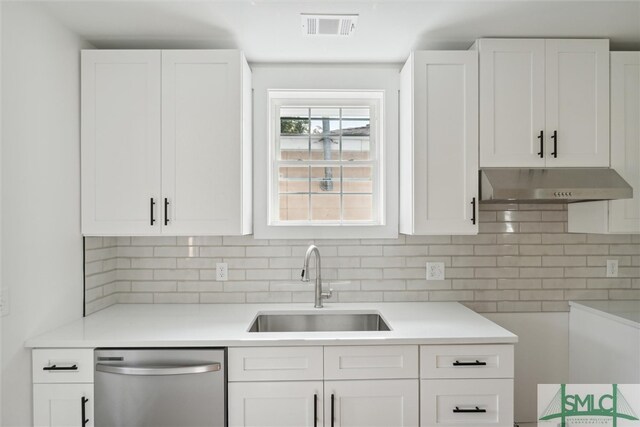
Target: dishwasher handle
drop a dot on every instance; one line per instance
(158, 369)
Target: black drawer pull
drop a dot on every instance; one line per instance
(166, 211)
(315, 410)
(83, 402)
(151, 207)
(476, 363)
(332, 411)
(555, 144)
(541, 138)
(473, 211)
(475, 410)
(60, 368)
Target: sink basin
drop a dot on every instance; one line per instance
(320, 322)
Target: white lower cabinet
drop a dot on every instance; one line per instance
(57, 405)
(62, 387)
(371, 386)
(485, 402)
(371, 403)
(275, 404)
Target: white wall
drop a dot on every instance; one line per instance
(541, 355)
(41, 241)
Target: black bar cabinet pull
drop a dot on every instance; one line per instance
(555, 144)
(151, 207)
(315, 410)
(83, 403)
(541, 138)
(332, 410)
(473, 211)
(475, 410)
(476, 363)
(166, 211)
(60, 368)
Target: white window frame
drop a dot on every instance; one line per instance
(374, 100)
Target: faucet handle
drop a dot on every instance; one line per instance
(327, 295)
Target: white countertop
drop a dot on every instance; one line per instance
(627, 311)
(225, 325)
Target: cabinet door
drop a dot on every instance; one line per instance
(624, 215)
(120, 142)
(275, 404)
(371, 403)
(445, 143)
(512, 103)
(57, 405)
(577, 103)
(202, 145)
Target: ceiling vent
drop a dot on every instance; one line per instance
(328, 25)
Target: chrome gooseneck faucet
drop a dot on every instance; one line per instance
(305, 275)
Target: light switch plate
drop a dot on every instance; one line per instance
(435, 271)
(222, 274)
(612, 268)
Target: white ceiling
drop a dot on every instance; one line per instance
(269, 30)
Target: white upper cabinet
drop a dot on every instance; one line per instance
(511, 103)
(544, 103)
(618, 216)
(204, 142)
(439, 143)
(166, 143)
(120, 141)
(577, 113)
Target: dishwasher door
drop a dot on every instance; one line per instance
(160, 388)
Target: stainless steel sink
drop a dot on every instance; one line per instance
(320, 322)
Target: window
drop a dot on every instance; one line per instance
(326, 158)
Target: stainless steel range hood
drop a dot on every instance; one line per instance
(555, 185)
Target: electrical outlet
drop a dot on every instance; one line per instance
(222, 275)
(4, 301)
(435, 271)
(612, 268)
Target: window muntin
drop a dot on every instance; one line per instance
(326, 161)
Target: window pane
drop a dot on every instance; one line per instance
(325, 180)
(294, 134)
(357, 179)
(325, 148)
(357, 207)
(356, 148)
(325, 207)
(294, 121)
(294, 207)
(356, 143)
(293, 179)
(325, 133)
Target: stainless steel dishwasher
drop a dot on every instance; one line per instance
(160, 387)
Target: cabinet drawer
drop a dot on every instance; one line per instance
(466, 361)
(371, 362)
(62, 365)
(466, 403)
(275, 363)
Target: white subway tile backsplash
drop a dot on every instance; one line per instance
(419, 285)
(522, 260)
(223, 298)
